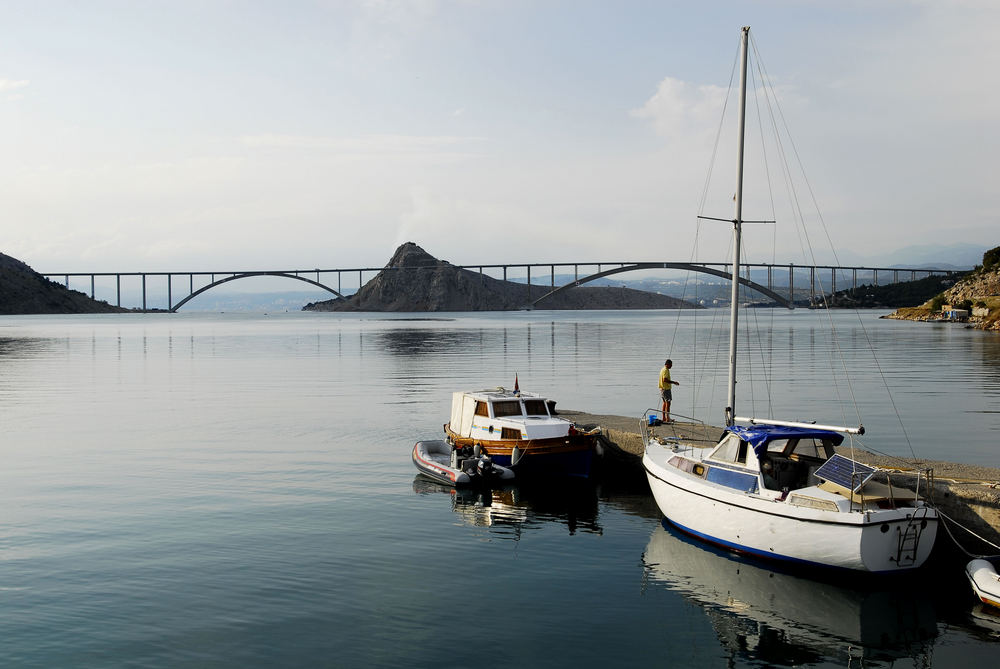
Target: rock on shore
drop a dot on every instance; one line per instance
(414, 280)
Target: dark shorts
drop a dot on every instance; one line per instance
(665, 394)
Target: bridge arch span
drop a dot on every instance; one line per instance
(666, 265)
(246, 275)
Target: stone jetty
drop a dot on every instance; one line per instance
(967, 494)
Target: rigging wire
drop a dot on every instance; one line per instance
(825, 229)
(805, 244)
(699, 378)
(766, 360)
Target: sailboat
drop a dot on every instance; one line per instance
(778, 489)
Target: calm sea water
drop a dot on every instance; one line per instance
(233, 490)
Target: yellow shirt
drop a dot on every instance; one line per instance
(665, 378)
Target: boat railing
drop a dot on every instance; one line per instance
(922, 479)
(644, 422)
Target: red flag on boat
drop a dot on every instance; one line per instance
(516, 389)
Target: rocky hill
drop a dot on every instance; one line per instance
(893, 295)
(24, 291)
(414, 280)
(978, 292)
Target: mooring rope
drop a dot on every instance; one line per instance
(960, 546)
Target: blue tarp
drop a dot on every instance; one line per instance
(758, 435)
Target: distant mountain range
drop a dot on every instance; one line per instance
(950, 256)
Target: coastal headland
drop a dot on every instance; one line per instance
(967, 494)
(415, 281)
(977, 296)
(25, 291)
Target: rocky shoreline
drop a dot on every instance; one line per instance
(978, 293)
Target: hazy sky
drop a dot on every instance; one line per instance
(225, 134)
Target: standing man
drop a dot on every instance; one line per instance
(665, 383)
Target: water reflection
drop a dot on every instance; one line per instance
(18, 347)
(986, 622)
(514, 509)
(420, 341)
(770, 617)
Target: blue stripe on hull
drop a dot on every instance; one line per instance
(791, 562)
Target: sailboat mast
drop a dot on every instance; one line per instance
(737, 231)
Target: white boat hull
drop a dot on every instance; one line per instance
(872, 541)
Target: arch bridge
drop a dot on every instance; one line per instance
(324, 278)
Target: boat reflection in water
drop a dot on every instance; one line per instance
(776, 617)
(518, 507)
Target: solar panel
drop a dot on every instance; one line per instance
(845, 472)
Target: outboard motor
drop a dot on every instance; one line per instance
(484, 466)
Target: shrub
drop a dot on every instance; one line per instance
(937, 302)
(991, 259)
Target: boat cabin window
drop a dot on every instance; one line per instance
(781, 445)
(731, 449)
(482, 409)
(815, 448)
(805, 447)
(535, 408)
(506, 408)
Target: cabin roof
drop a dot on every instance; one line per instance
(501, 394)
(759, 435)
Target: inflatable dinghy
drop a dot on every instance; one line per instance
(985, 581)
(457, 466)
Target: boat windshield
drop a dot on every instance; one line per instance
(804, 447)
(535, 408)
(506, 408)
(731, 449)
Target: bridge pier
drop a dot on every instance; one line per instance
(791, 283)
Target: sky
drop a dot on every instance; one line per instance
(219, 135)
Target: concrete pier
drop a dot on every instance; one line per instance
(967, 494)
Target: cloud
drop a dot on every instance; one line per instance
(12, 84)
(680, 109)
(9, 86)
(368, 144)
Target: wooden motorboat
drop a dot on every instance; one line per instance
(518, 430)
